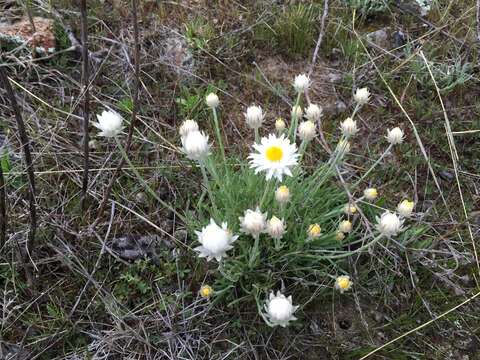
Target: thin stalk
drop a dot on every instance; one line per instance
(257, 136)
(373, 166)
(292, 132)
(254, 252)
(207, 186)
(265, 192)
(86, 100)
(131, 128)
(219, 136)
(144, 183)
(27, 156)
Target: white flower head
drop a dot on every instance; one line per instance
(307, 130)
(395, 136)
(345, 226)
(297, 112)
(282, 194)
(279, 310)
(276, 228)
(109, 123)
(215, 240)
(370, 194)
(349, 127)
(362, 96)
(405, 208)
(275, 155)
(195, 145)
(301, 83)
(280, 125)
(187, 127)
(389, 224)
(343, 283)
(254, 117)
(212, 100)
(313, 112)
(253, 222)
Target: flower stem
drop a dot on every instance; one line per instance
(219, 137)
(257, 136)
(254, 252)
(266, 191)
(293, 129)
(373, 166)
(207, 186)
(144, 183)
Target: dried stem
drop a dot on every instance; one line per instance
(86, 99)
(27, 155)
(320, 38)
(134, 111)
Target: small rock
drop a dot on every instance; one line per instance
(399, 38)
(380, 38)
(340, 107)
(133, 247)
(335, 78)
(21, 32)
(446, 175)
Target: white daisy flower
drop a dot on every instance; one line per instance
(307, 130)
(343, 283)
(276, 228)
(389, 224)
(196, 146)
(282, 194)
(405, 208)
(109, 123)
(280, 125)
(279, 310)
(187, 127)
(215, 240)
(301, 83)
(212, 100)
(253, 222)
(370, 194)
(345, 226)
(395, 136)
(276, 156)
(349, 127)
(254, 117)
(313, 112)
(297, 112)
(362, 96)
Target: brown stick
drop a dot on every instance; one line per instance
(28, 157)
(136, 86)
(320, 37)
(86, 99)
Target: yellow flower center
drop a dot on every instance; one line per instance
(274, 153)
(206, 291)
(314, 230)
(343, 283)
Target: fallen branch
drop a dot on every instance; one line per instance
(27, 156)
(86, 99)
